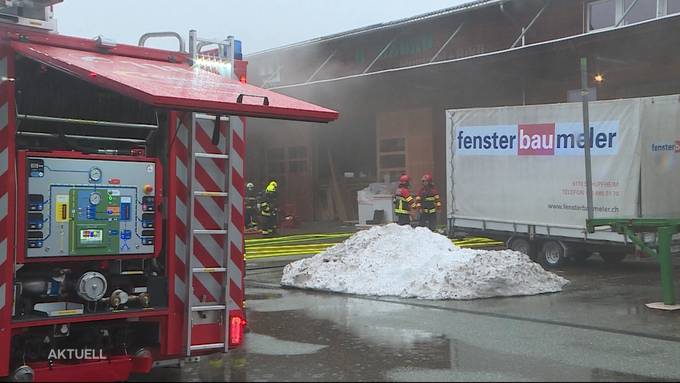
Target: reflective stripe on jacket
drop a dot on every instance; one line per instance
(428, 200)
(265, 209)
(403, 201)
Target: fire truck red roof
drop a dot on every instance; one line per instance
(172, 85)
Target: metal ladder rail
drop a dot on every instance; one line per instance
(193, 194)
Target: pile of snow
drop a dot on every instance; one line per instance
(417, 263)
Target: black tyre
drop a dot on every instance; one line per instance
(523, 245)
(552, 254)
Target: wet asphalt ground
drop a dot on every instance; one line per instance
(598, 329)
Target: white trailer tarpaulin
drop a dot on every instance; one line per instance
(525, 164)
(661, 157)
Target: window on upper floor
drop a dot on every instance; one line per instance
(602, 14)
(641, 11)
(276, 161)
(297, 159)
(391, 158)
(673, 6)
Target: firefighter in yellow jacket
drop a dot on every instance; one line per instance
(403, 202)
(428, 203)
(269, 210)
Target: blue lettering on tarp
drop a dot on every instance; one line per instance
(570, 140)
(495, 140)
(566, 138)
(666, 147)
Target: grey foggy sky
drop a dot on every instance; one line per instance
(259, 24)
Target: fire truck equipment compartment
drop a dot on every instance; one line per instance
(84, 215)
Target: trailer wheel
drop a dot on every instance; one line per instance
(612, 257)
(552, 254)
(523, 245)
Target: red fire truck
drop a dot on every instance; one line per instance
(121, 198)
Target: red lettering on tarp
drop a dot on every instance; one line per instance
(536, 139)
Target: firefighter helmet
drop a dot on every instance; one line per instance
(250, 186)
(272, 186)
(427, 178)
(404, 179)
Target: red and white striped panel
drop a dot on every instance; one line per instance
(180, 227)
(5, 181)
(209, 213)
(7, 203)
(177, 233)
(237, 190)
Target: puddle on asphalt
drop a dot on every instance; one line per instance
(347, 313)
(267, 345)
(430, 375)
(323, 351)
(259, 294)
(261, 297)
(313, 336)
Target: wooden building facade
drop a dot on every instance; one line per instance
(392, 83)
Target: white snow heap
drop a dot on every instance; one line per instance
(417, 263)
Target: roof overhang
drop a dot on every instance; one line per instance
(665, 23)
(460, 8)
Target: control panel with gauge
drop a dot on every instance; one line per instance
(85, 207)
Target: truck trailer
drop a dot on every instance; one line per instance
(122, 183)
(518, 173)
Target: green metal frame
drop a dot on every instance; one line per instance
(664, 229)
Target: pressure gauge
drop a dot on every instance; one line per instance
(95, 199)
(95, 174)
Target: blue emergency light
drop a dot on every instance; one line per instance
(238, 53)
